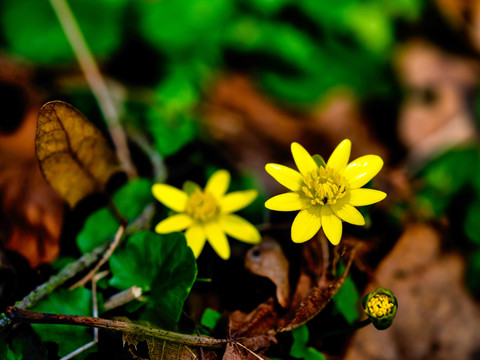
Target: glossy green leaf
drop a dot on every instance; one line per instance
(68, 337)
(346, 301)
(166, 272)
(101, 226)
(99, 20)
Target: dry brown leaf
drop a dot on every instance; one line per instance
(267, 259)
(437, 318)
(255, 130)
(237, 351)
(74, 156)
(32, 213)
(429, 126)
(165, 350)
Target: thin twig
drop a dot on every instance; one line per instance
(106, 256)
(158, 165)
(79, 350)
(95, 80)
(17, 314)
(122, 298)
(250, 351)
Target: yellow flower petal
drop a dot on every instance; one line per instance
(339, 158)
(286, 176)
(348, 213)
(332, 225)
(240, 229)
(176, 222)
(170, 196)
(217, 239)
(196, 239)
(361, 197)
(290, 201)
(306, 224)
(237, 200)
(218, 183)
(362, 170)
(303, 159)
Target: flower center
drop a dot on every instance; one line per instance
(201, 205)
(322, 186)
(380, 305)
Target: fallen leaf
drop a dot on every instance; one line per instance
(435, 114)
(437, 318)
(236, 351)
(267, 259)
(75, 158)
(32, 213)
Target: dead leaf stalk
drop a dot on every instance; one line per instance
(96, 82)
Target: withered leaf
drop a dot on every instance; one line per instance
(267, 259)
(159, 349)
(74, 157)
(236, 351)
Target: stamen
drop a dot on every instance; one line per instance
(202, 206)
(380, 305)
(323, 186)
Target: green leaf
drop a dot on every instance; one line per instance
(171, 121)
(68, 337)
(166, 272)
(210, 318)
(445, 176)
(267, 7)
(472, 223)
(99, 20)
(101, 226)
(6, 353)
(179, 26)
(346, 301)
(371, 26)
(299, 347)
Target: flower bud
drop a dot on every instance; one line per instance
(381, 307)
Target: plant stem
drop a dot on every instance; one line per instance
(95, 80)
(17, 314)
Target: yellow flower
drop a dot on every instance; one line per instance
(207, 214)
(325, 193)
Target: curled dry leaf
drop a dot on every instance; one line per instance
(75, 158)
(267, 259)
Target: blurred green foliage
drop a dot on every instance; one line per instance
(300, 349)
(450, 184)
(31, 28)
(347, 301)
